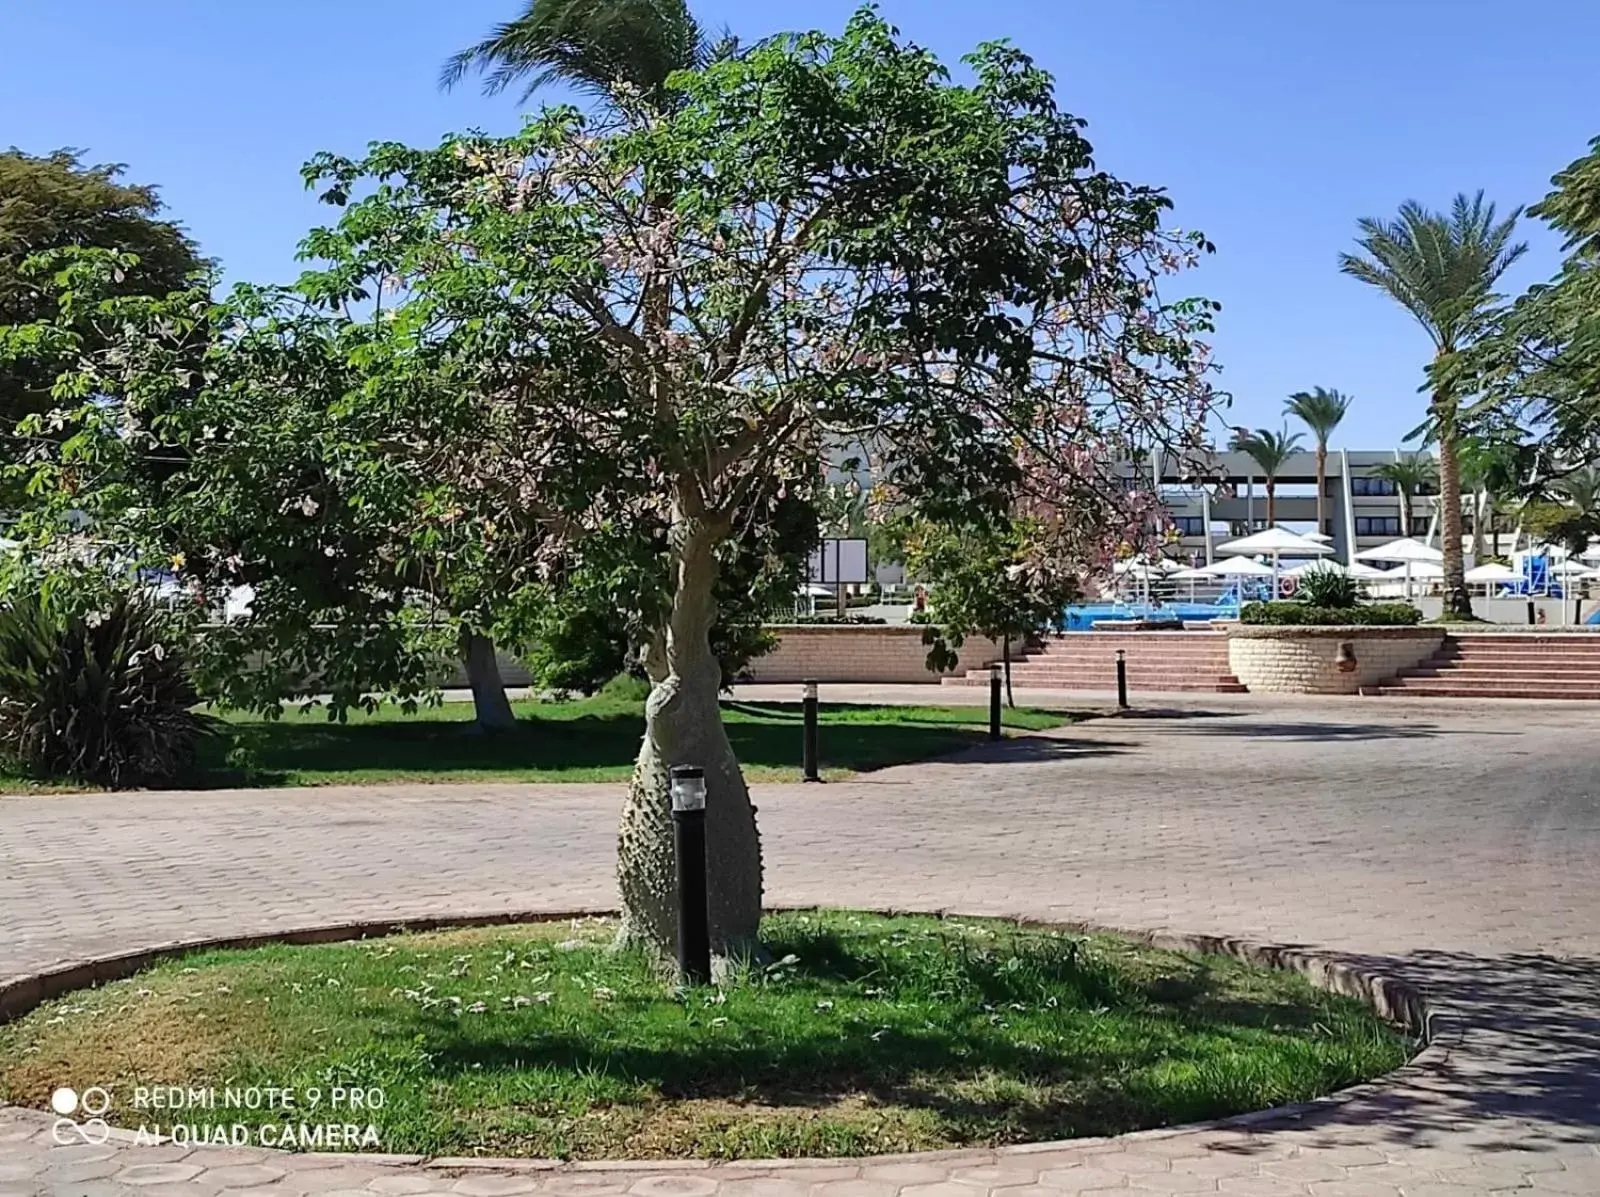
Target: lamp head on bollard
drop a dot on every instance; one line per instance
(994, 672)
(809, 689)
(1121, 654)
(688, 786)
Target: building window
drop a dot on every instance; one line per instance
(1365, 485)
(1189, 525)
(1420, 524)
(1377, 525)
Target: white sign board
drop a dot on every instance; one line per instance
(837, 562)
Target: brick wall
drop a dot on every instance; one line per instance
(860, 653)
(1290, 660)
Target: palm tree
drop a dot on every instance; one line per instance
(594, 45)
(1320, 410)
(1412, 476)
(1441, 268)
(1269, 450)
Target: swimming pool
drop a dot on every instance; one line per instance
(1081, 617)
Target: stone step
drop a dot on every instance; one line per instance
(1518, 671)
(1209, 683)
(1410, 688)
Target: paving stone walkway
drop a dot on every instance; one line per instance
(1453, 845)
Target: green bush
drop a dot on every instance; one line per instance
(1327, 588)
(1289, 614)
(101, 698)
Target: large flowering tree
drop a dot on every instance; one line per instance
(621, 347)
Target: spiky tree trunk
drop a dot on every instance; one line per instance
(1457, 600)
(683, 726)
(491, 708)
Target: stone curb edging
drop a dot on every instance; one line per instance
(1394, 1000)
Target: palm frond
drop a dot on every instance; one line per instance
(593, 45)
(1320, 409)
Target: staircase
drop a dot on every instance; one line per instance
(1487, 665)
(1157, 661)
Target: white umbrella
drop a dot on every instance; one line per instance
(1278, 542)
(1358, 570)
(1190, 576)
(1491, 573)
(1412, 552)
(1404, 549)
(1569, 569)
(1428, 571)
(1319, 537)
(1241, 567)
(1592, 553)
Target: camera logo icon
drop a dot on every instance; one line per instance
(92, 1103)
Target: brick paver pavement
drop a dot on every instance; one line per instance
(1454, 845)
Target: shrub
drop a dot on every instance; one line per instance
(101, 698)
(1303, 614)
(1327, 588)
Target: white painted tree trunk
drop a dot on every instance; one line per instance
(683, 726)
(489, 702)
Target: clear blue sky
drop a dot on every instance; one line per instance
(1274, 123)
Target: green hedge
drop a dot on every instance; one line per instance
(1289, 614)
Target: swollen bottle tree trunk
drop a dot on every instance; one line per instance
(491, 707)
(683, 726)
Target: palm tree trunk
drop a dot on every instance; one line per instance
(1272, 496)
(1494, 528)
(1457, 601)
(1479, 502)
(1322, 480)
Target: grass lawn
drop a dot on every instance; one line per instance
(592, 739)
(864, 1035)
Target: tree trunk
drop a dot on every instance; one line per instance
(1494, 528)
(1479, 502)
(489, 702)
(1404, 495)
(1322, 482)
(683, 726)
(1272, 501)
(1456, 599)
(1005, 655)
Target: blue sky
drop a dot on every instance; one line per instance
(1274, 124)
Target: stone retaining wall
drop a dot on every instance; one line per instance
(884, 653)
(1302, 660)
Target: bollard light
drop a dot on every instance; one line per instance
(687, 785)
(1122, 680)
(994, 701)
(810, 770)
(688, 788)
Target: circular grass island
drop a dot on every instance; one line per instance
(862, 1035)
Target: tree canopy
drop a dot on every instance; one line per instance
(612, 349)
(56, 202)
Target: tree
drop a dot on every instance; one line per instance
(1539, 368)
(1321, 411)
(983, 585)
(625, 340)
(1442, 268)
(599, 46)
(1269, 450)
(54, 203)
(1412, 475)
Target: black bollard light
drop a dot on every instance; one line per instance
(1530, 613)
(1122, 679)
(808, 743)
(994, 702)
(688, 786)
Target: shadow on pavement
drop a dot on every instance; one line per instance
(1525, 1075)
(1312, 731)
